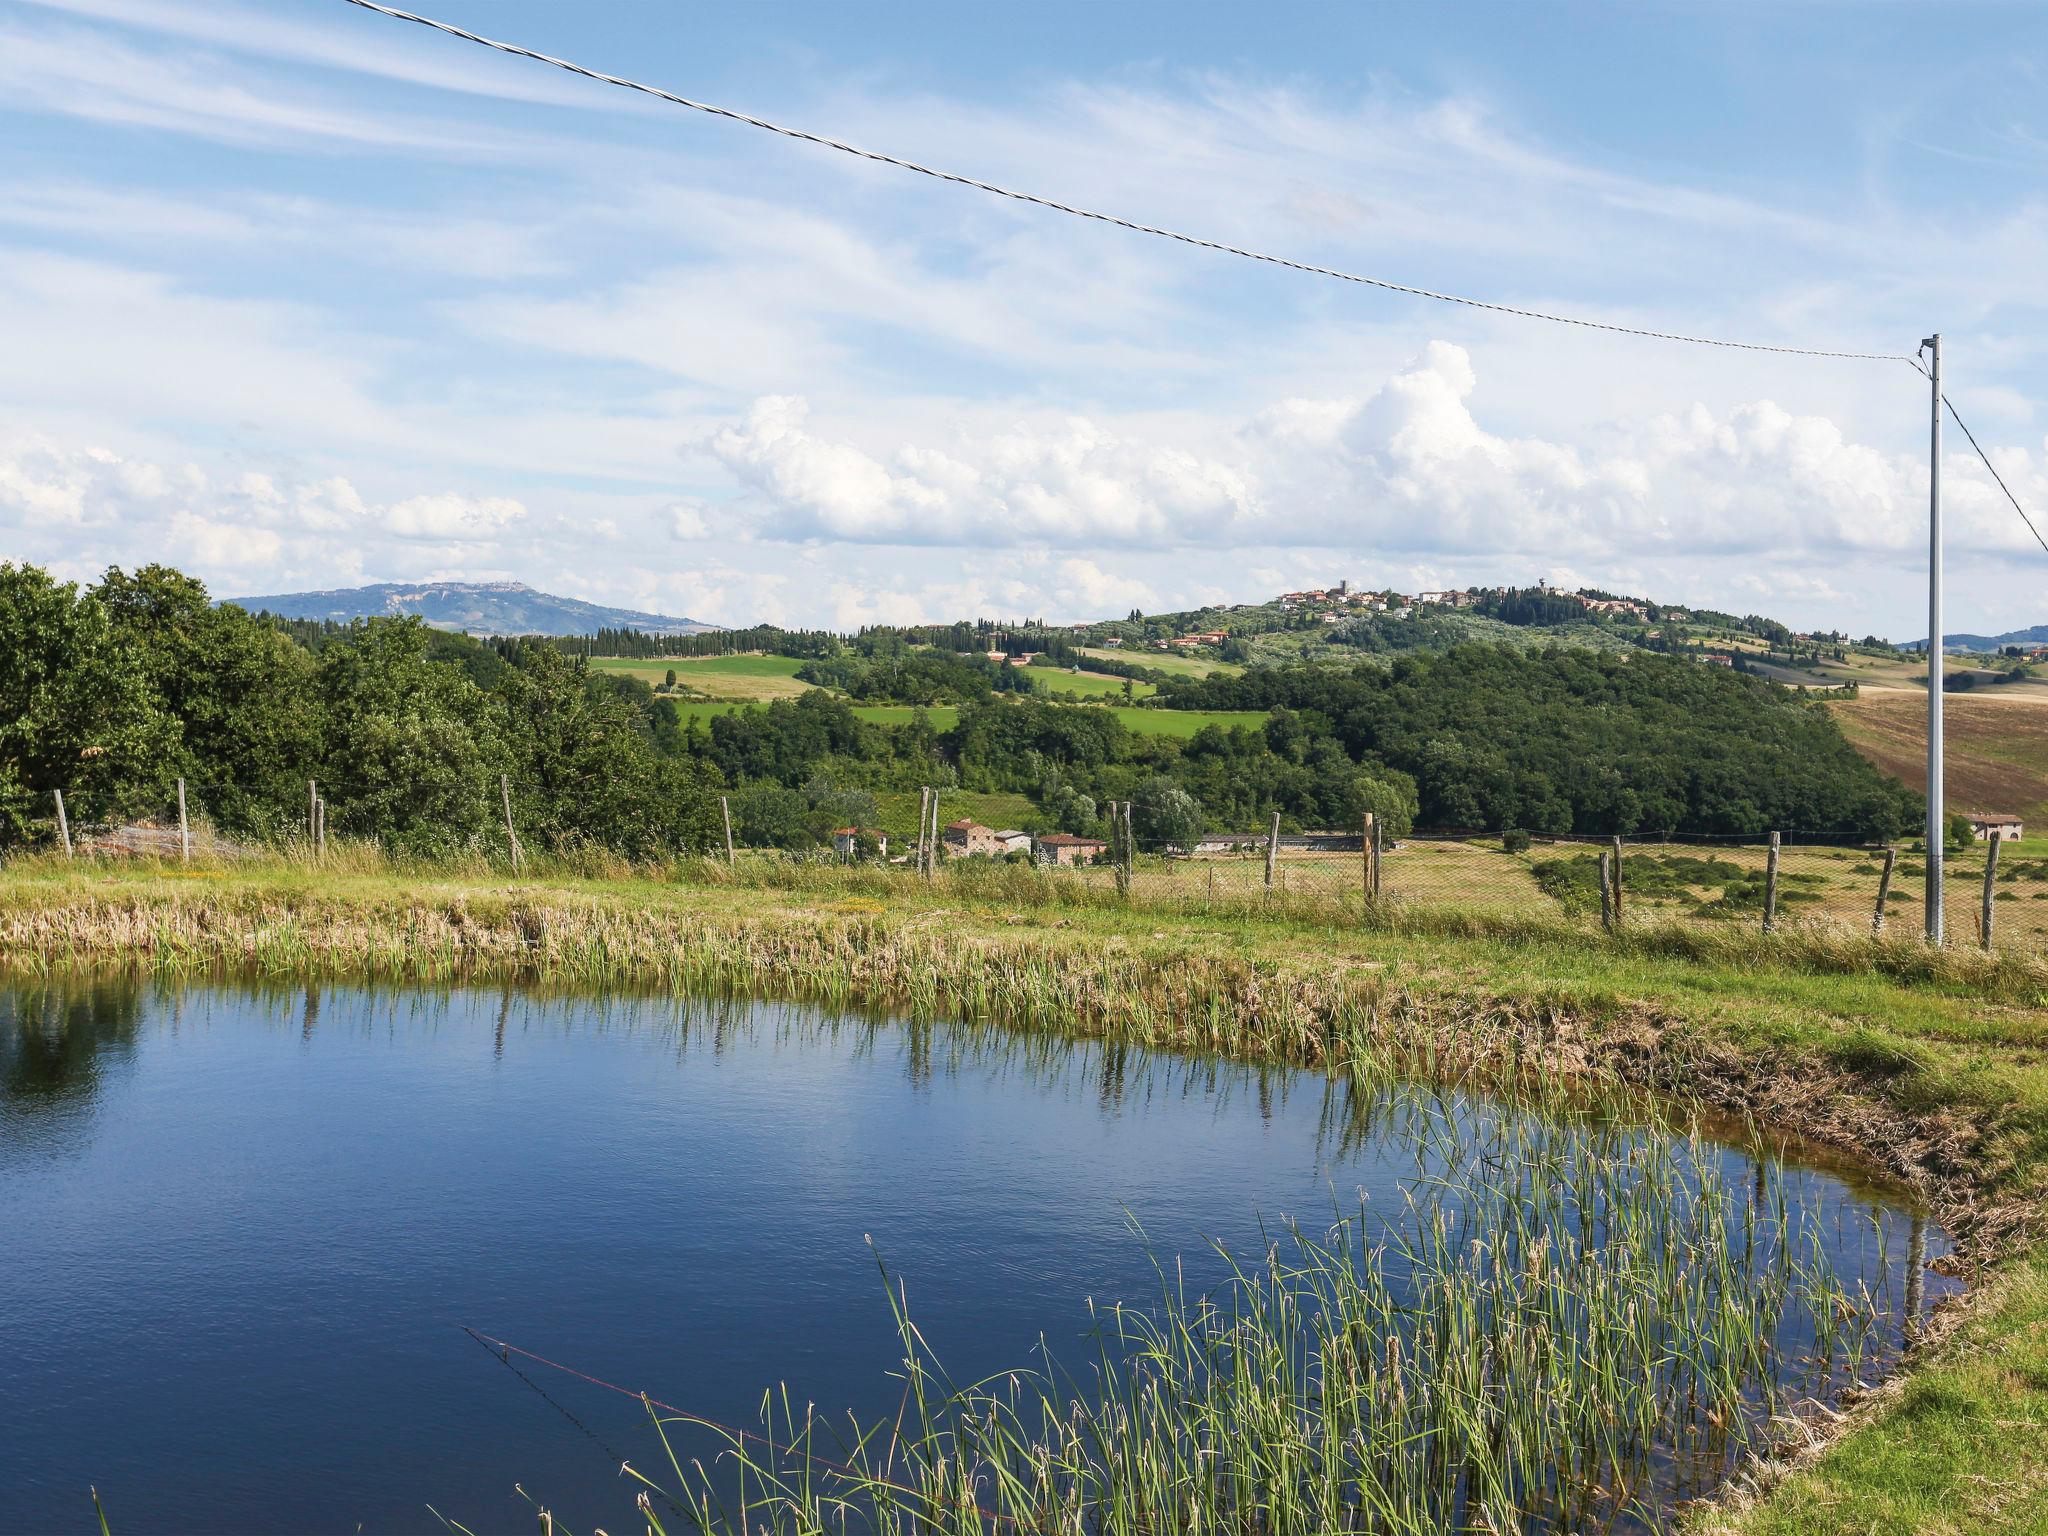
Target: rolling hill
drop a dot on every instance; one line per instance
(474, 607)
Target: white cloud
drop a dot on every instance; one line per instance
(449, 516)
(1409, 468)
(1074, 482)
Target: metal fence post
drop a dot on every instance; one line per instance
(1884, 889)
(1771, 886)
(1990, 874)
(63, 823)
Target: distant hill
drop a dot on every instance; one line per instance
(2038, 635)
(474, 607)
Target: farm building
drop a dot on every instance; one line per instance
(1065, 848)
(1014, 841)
(846, 840)
(964, 839)
(1997, 829)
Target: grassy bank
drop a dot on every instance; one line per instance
(1928, 1066)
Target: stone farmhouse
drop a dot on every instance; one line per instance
(1066, 849)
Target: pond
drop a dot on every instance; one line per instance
(245, 1229)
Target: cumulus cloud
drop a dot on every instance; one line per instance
(1076, 482)
(1410, 468)
(449, 516)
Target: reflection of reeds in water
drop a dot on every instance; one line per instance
(1569, 1325)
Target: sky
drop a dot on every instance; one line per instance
(297, 296)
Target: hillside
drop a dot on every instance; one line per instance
(2037, 635)
(1996, 746)
(474, 607)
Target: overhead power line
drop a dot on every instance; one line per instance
(1071, 210)
(1134, 226)
(2036, 532)
(1991, 468)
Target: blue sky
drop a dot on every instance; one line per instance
(298, 296)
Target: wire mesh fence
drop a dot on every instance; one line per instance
(1994, 894)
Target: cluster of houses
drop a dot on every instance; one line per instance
(966, 839)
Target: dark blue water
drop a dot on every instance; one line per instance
(242, 1230)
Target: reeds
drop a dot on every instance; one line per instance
(581, 877)
(1567, 1326)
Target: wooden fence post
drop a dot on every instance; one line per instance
(1990, 874)
(1120, 844)
(1379, 842)
(1130, 842)
(931, 852)
(1884, 889)
(1365, 856)
(320, 826)
(511, 837)
(1272, 849)
(1606, 891)
(184, 827)
(63, 823)
(1618, 917)
(312, 815)
(924, 811)
(1771, 886)
(725, 805)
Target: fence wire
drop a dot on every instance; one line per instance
(1589, 882)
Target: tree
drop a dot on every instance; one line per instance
(1391, 798)
(237, 687)
(411, 749)
(1165, 816)
(75, 711)
(669, 679)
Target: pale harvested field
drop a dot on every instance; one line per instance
(1996, 744)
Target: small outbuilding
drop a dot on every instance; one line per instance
(846, 841)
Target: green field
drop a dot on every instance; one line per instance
(743, 677)
(1182, 723)
(1168, 661)
(1060, 683)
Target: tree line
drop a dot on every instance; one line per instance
(113, 691)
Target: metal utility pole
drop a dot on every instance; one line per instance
(1935, 818)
